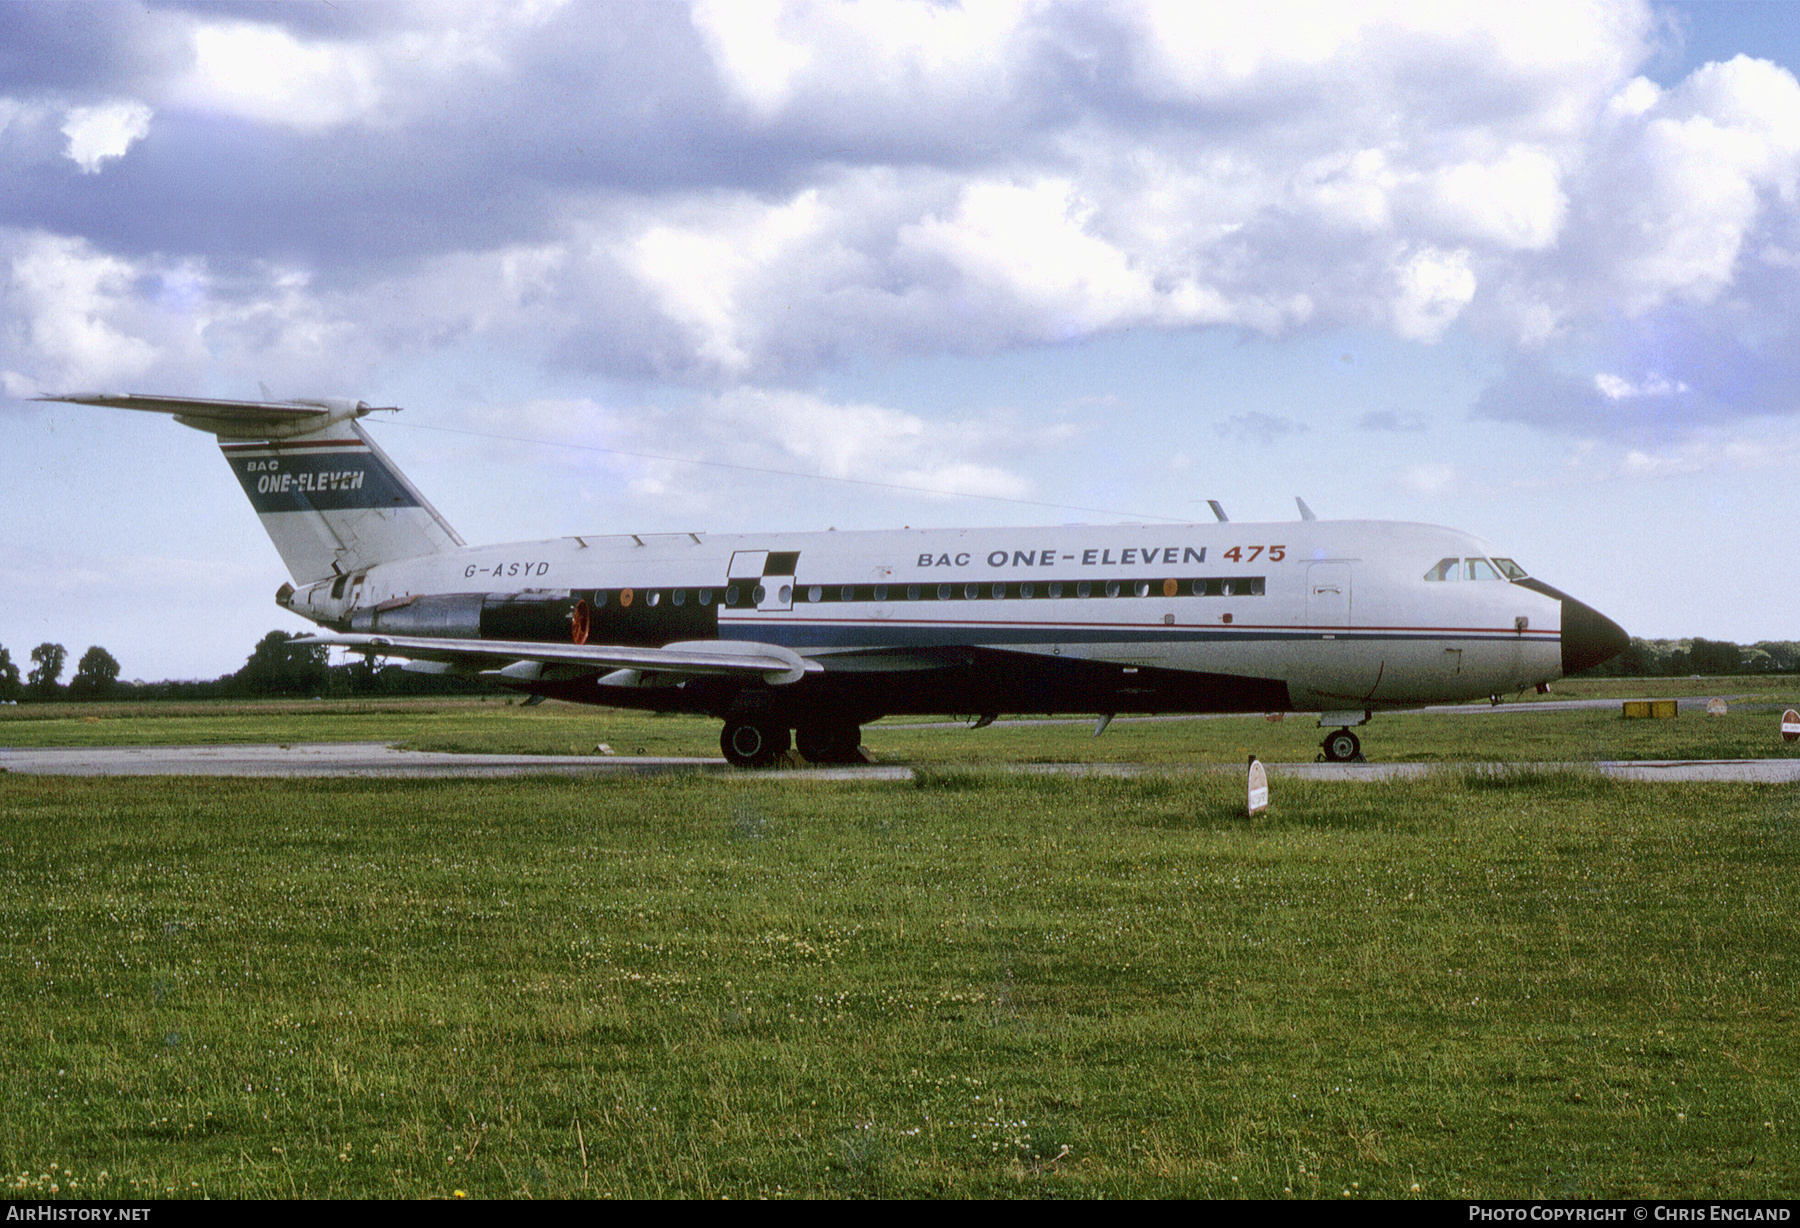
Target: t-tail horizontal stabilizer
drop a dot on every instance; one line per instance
(330, 500)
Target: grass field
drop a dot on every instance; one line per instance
(1491, 982)
(1476, 985)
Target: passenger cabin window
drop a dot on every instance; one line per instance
(736, 597)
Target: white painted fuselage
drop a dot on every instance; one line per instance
(1340, 613)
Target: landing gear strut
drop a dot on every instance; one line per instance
(748, 745)
(1341, 747)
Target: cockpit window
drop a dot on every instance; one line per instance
(1475, 569)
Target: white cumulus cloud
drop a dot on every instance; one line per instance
(75, 312)
(260, 71)
(1434, 288)
(1681, 185)
(1429, 479)
(97, 134)
(872, 443)
(1617, 388)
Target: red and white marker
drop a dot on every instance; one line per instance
(1259, 785)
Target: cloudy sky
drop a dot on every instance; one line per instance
(1527, 269)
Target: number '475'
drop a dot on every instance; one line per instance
(1236, 553)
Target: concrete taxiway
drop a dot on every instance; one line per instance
(375, 759)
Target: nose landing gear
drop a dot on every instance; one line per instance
(1341, 746)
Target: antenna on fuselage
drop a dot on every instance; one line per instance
(1306, 513)
(1217, 510)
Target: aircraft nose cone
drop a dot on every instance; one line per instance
(1588, 637)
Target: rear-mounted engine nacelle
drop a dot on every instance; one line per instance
(546, 616)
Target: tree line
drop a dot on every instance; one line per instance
(278, 666)
(1681, 658)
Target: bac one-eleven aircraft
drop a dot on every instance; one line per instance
(805, 637)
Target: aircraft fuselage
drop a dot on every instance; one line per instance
(1291, 616)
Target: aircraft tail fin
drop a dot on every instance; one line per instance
(330, 500)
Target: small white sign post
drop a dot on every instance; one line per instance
(1259, 786)
(1790, 725)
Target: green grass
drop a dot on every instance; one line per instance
(1481, 984)
(307, 720)
(1522, 736)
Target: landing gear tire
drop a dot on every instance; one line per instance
(1341, 747)
(753, 746)
(828, 743)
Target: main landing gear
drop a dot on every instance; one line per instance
(753, 745)
(1341, 747)
(749, 745)
(828, 743)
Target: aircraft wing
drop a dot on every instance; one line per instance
(534, 661)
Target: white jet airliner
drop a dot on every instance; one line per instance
(806, 637)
